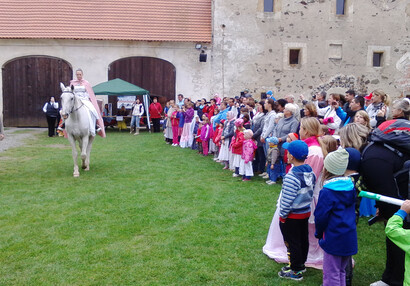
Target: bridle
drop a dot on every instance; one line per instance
(75, 98)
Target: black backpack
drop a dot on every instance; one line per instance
(395, 136)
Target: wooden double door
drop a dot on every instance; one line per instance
(155, 75)
(28, 83)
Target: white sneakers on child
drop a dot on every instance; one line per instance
(262, 174)
(235, 175)
(266, 176)
(269, 182)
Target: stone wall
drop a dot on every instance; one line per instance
(251, 47)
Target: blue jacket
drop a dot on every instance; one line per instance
(335, 217)
(221, 115)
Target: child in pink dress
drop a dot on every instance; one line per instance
(248, 152)
(205, 135)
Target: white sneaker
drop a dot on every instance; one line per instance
(269, 182)
(262, 174)
(235, 175)
(379, 283)
(265, 177)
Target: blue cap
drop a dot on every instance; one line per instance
(297, 149)
(273, 140)
(269, 92)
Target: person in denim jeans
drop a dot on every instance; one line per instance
(137, 112)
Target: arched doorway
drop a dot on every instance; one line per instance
(28, 83)
(155, 75)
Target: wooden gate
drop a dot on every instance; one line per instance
(153, 74)
(28, 83)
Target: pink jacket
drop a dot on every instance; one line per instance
(206, 132)
(248, 151)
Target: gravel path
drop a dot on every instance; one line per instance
(15, 137)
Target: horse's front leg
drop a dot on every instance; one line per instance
(76, 173)
(84, 144)
(89, 146)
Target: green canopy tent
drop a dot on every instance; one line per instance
(118, 87)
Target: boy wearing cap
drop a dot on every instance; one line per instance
(294, 209)
(271, 157)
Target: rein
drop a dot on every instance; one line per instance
(75, 97)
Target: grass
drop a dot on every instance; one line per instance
(145, 214)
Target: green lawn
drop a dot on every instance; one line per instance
(145, 214)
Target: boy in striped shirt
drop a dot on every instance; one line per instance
(295, 200)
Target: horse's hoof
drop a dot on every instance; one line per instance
(87, 169)
(76, 175)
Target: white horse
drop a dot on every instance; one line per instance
(77, 126)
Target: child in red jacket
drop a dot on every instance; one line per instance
(217, 138)
(236, 146)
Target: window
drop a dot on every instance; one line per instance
(378, 56)
(340, 7)
(377, 59)
(294, 56)
(268, 5)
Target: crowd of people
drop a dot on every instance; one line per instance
(317, 150)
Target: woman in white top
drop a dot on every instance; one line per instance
(380, 101)
(84, 91)
(330, 117)
(137, 112)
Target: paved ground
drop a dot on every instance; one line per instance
(17, 136)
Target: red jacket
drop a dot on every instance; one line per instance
(237, 142)
(155, 110)
(209, 111)
(198, 135)
(217, 136)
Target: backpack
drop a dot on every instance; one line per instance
(395, 136)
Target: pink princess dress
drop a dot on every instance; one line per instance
(275, 247)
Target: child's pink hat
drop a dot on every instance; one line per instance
(238, 122)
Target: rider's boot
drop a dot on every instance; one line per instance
(97, 128)
(61, 127)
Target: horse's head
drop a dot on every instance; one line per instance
(67, 101)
